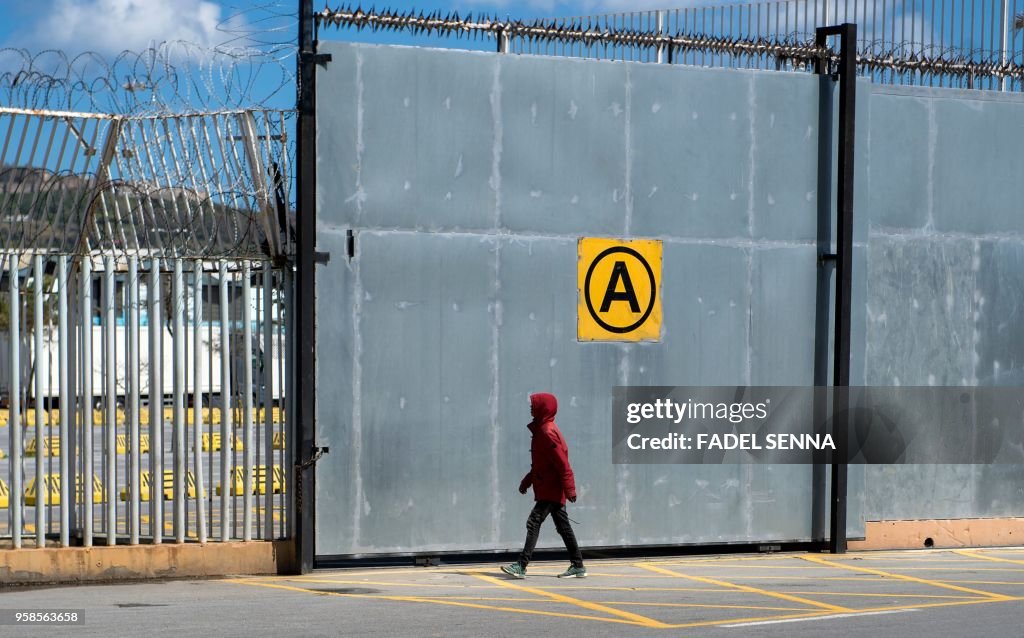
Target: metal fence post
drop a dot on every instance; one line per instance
(303, 327)
(844, 264)
(86, 367)
(65, 412)
(197, 403)
(180, 477)
(226, 515)
(17, 431)
(156, 406)
(39, 359)
(132, 479)
(1005, 29)
(110, 420)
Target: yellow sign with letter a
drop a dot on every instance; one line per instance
(619, 290)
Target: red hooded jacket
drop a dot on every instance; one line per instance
(550, 473)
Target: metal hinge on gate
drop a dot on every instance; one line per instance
(320, 59)
(823, 258)
(321, 258)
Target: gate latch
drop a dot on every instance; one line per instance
(318, 453)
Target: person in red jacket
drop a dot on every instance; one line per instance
(553, 482)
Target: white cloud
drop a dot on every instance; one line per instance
(112, 26)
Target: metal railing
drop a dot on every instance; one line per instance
(954, 43)
(144, 304)
(163, 381)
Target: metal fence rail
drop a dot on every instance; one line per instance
(144, 399)
(956, 43)
(143, 327)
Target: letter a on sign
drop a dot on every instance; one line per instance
(619, 290)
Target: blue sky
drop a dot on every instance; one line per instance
(108, 27)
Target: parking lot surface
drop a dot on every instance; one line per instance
(914, 593)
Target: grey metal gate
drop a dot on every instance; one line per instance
(451, 287)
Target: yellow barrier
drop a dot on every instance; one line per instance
(51, 446)
(122, 444)
(145, 486)
(99, 417)
(237, 482)
(278, 440)
(3, 455)
(5, 494)
(52, 493)
(278, 479)
(258, 415)
(190, 485)
(50, 417)
(28, 417)
(211, 442)
(259, 482)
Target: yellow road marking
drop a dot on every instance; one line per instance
(747, 588)
(549, 601)
(992, 558)
(544, 601)
(484, 568)
(883, 595)
(695, 605)
(959, 563)
(913, 579)
(721, 566)
(955, 603)
(973, 569)
(985, 582)
(715, 559)
(301, 579)
(913, 559)
(633, 618)
(378, 582)
(853, 579)
(711, 623)
(419, 599)
(641, 589)
(852, 612)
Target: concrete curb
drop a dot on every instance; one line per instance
(31, 566)
(941, 533)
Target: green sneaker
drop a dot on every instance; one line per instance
(515, 570)
(574, 572)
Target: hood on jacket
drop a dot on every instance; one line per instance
(543, 407)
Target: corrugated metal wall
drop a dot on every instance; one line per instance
(945, 259)
(467, 179)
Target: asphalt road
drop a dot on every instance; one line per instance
(908, 594)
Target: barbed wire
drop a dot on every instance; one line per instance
(178, 150)
(172, 77)
(252, 65)
(904, 58)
